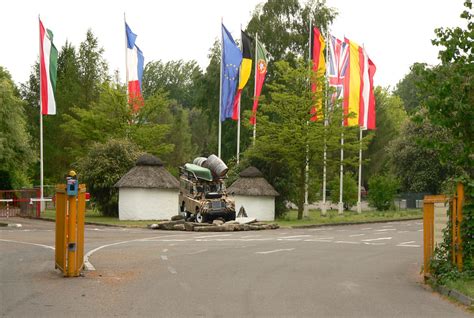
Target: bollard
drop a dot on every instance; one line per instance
(70, 214)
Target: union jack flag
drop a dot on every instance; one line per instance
(338, 63)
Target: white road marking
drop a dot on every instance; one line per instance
(366, 228)
(341, 230)
(318, 240)
(354, 235)
(402, 231)
(275, 251)
(294, 236)
(248, 236)
(165, 250)
(172, 270)
(164, 257)
(384, 230)
(211, 236)
(28, 243)
(197, 252)
(387, 226)
(408, 244)
(290, 240)
(374, 243)
(377, 239)
(346, 242)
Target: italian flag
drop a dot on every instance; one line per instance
(48, 71)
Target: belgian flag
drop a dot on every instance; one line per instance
(245, 70)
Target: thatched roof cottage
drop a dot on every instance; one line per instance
(255, 194)
(148, 191)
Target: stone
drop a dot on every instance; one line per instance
(212, 228)
(231, 222)
(217, 222)
(245, 227)
(255, 227)
(189, 226)
(177, 217)
(245, 220)
(179, 227)
(169, 225)
(153, 226)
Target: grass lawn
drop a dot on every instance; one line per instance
(464, 286)
(290, 219)
(332, 217)
(94, 217)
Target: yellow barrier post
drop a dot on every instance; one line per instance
(70, 214)
(61, 228)
(460, 202)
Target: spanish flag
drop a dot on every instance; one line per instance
(353, 84)
(319, 68)
(245, 70)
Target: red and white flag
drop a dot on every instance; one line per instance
(367, 98)
(48, 71)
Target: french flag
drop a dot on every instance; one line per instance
(135, 62)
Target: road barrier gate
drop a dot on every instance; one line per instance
(438, 210)
(70, 212)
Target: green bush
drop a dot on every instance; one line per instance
(382, 190)
(349, 190)
(103, 166)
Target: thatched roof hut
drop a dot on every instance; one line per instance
(148, 191)
(148, 173)
(252, 183)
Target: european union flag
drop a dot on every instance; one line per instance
(231, 59)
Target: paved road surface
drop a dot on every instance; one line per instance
(344, 271)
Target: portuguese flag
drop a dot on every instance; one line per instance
(261, 58)
(245, 70)
(48, 71)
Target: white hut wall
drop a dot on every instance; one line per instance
(260, 207)
(147, 204)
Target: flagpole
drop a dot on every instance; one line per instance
(306, 173)
(359, 202)
(41, 132)
(220, 94)
(240, 98)
(126, 51)
(255, 89)
(324, 208)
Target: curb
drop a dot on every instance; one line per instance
(463, 299)
(309, 226)
(448, 292)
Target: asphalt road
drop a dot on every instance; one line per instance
(341, 271)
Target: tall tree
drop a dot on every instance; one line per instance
(286, 137)
(390, 116)
(178, 78)
(408, 91)
(16, 154)
(93, 69)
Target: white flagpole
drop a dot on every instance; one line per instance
(359, 202)
(126, 53)
(240, 98)
(341, 177)
(255, 89)
(306, 174)
(220, 93)
(41, 132)
(324, 207)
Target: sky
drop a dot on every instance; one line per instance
(395, 34)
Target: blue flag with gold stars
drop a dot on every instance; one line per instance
(231, 59)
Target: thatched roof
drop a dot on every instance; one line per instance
(252, 183)
(148, 173)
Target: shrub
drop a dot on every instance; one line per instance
(103, 166)
(349, 190)
(382, 190)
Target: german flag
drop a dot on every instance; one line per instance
(245, 70)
